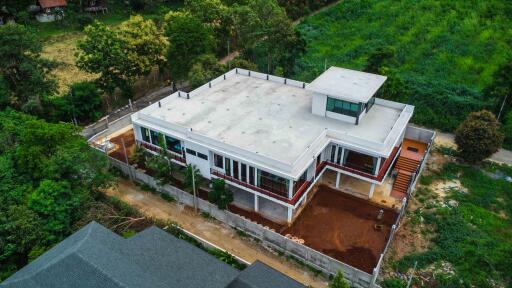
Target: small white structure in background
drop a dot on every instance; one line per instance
(51, 10)
(270, 138)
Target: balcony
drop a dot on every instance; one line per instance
(175, 156)
(299, 188)
(360, 170)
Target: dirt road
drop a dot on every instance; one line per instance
(448, 139)
(211, 230)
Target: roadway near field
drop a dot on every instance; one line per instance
(211, 230)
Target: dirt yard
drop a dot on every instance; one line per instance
(211, 230)
(342, 226)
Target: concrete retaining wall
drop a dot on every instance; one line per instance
(270, 239)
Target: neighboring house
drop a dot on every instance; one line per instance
(270, 138)
(51, 10)
(97, 257)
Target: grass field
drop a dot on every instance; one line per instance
(445, 51)
(60, 39)
(468, 226)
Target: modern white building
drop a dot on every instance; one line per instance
(270, 138)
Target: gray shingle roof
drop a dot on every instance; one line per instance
(259, 275)
(96, 257)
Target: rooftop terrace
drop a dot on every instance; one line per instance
(270, 118)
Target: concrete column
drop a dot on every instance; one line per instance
(335, 147)
(290, 211)
(372, 188)
(231, 166)
(290, 189)
(377, 166)
(256, 203)
(338, 176)
(342, 159)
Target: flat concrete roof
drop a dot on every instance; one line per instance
(350, 85)
(265, 117)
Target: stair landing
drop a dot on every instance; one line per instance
(408, 161)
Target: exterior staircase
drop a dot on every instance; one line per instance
(406, 165)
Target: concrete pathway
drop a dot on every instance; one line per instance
(212, 231)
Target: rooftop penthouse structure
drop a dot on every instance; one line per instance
(272, 138)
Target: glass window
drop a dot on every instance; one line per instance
(218, 161)
(191, 152)
(154, 137)
(227, 161)
(243, 172)
(273, 183)
(342, 107)
(173, 144)
(235, 170)
(333, 153)
(340, 151)
(202, 156)
(145, 134)
(251, 175)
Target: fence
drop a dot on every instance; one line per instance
(269, 238)
(421, 135)
(126, 110)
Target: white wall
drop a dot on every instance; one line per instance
(318, 105)
(201, 164)
(341, 117)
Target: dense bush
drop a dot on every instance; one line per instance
(478, 137)
(220, 195)
(82, 102)
(298, 8)
(446, 52)
(507, 131)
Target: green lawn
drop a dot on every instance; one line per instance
(474, 234)
(445, 51)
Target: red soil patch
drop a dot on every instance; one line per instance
(342, 226)
(129, 142)
(255, 217)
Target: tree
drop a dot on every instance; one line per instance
(15, 7)
(263, 30)
(102, 52)
(121, 56)
(220, 195)
(26, 82)
(161, 166)
(478, 137)
(339, 281)
(507, 129)
(192, 172)
(244, 64)
(48, 173)
(188, 38)
(500, 89)
(144, 44)
(205, 68)
(58, 205)
(82, 102)
(381, 57)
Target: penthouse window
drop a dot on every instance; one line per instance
(342, 107)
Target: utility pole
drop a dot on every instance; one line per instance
(194, 187)
(412, 274)
(325, 64)
(502, 105)
(126, 159)
(229, 60)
